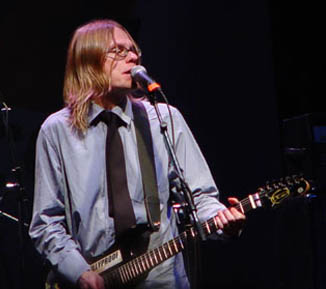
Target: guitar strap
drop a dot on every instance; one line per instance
(147, 164)
(148, 172)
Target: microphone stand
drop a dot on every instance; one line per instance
(10, 217)
(182, 185)
(17, 188)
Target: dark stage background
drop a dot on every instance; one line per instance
(235, 69)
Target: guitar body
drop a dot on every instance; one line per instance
(129, 262)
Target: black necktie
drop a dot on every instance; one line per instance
(120, 206)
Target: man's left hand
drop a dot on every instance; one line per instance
(231, 220)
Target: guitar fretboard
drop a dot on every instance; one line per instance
(142, 264)
(147, 261)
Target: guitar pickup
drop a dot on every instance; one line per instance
(107, 262)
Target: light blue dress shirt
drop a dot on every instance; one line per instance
(68, 231)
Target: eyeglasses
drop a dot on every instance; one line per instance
(121, 52)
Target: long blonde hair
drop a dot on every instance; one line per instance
(85, 78)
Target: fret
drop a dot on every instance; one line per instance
(150, 260)
(215, 223)
(139, 270)
(154, 253)
(240, 207)
(207, 227)
(122, 275)
(116, 276)
(146, 261)
(170, 250)
(126, 273)
(130, 269)
(159, 254)
(140, 264)
(164, 252)
(168, 245)
(122, 271)
(135, 267)
(129, 272)
(175, 246)
(148, 266)
(181, 243)
(143, 263)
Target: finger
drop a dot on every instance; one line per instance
(219, 222)
(223, 217)
(101, 283)
(235, 219)
(235, 205)
(238, 215)
(229, 216)
(233, 200)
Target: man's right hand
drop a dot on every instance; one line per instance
(91, 280)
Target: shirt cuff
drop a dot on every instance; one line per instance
(72, 266)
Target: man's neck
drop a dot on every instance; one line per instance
(109, 101)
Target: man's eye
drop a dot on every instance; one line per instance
(122, 51)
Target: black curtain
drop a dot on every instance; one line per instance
(235, 69)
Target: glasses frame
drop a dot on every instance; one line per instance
(121, 52)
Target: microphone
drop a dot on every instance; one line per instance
(139, 74)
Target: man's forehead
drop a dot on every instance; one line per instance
(120, 36)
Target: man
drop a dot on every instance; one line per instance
(72, 216)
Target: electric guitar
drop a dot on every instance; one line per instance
(123, 266)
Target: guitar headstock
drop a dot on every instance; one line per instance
(277, 191)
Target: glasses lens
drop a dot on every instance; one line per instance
(122, 52)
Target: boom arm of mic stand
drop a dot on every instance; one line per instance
(183, 184)
(4, 214)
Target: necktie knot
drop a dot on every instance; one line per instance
(111, 119)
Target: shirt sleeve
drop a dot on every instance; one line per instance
(196, 171)
(48, 228)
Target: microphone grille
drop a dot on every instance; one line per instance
(136, 69)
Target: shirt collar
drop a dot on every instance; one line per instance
(126, 115)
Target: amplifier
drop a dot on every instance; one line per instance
(304, 147)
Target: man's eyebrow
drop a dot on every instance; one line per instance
(121, 44)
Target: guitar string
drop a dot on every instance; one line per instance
(172, 243)
(149, 255)
(141, 260)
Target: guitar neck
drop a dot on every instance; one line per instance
(147, 261)
(142, 264)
